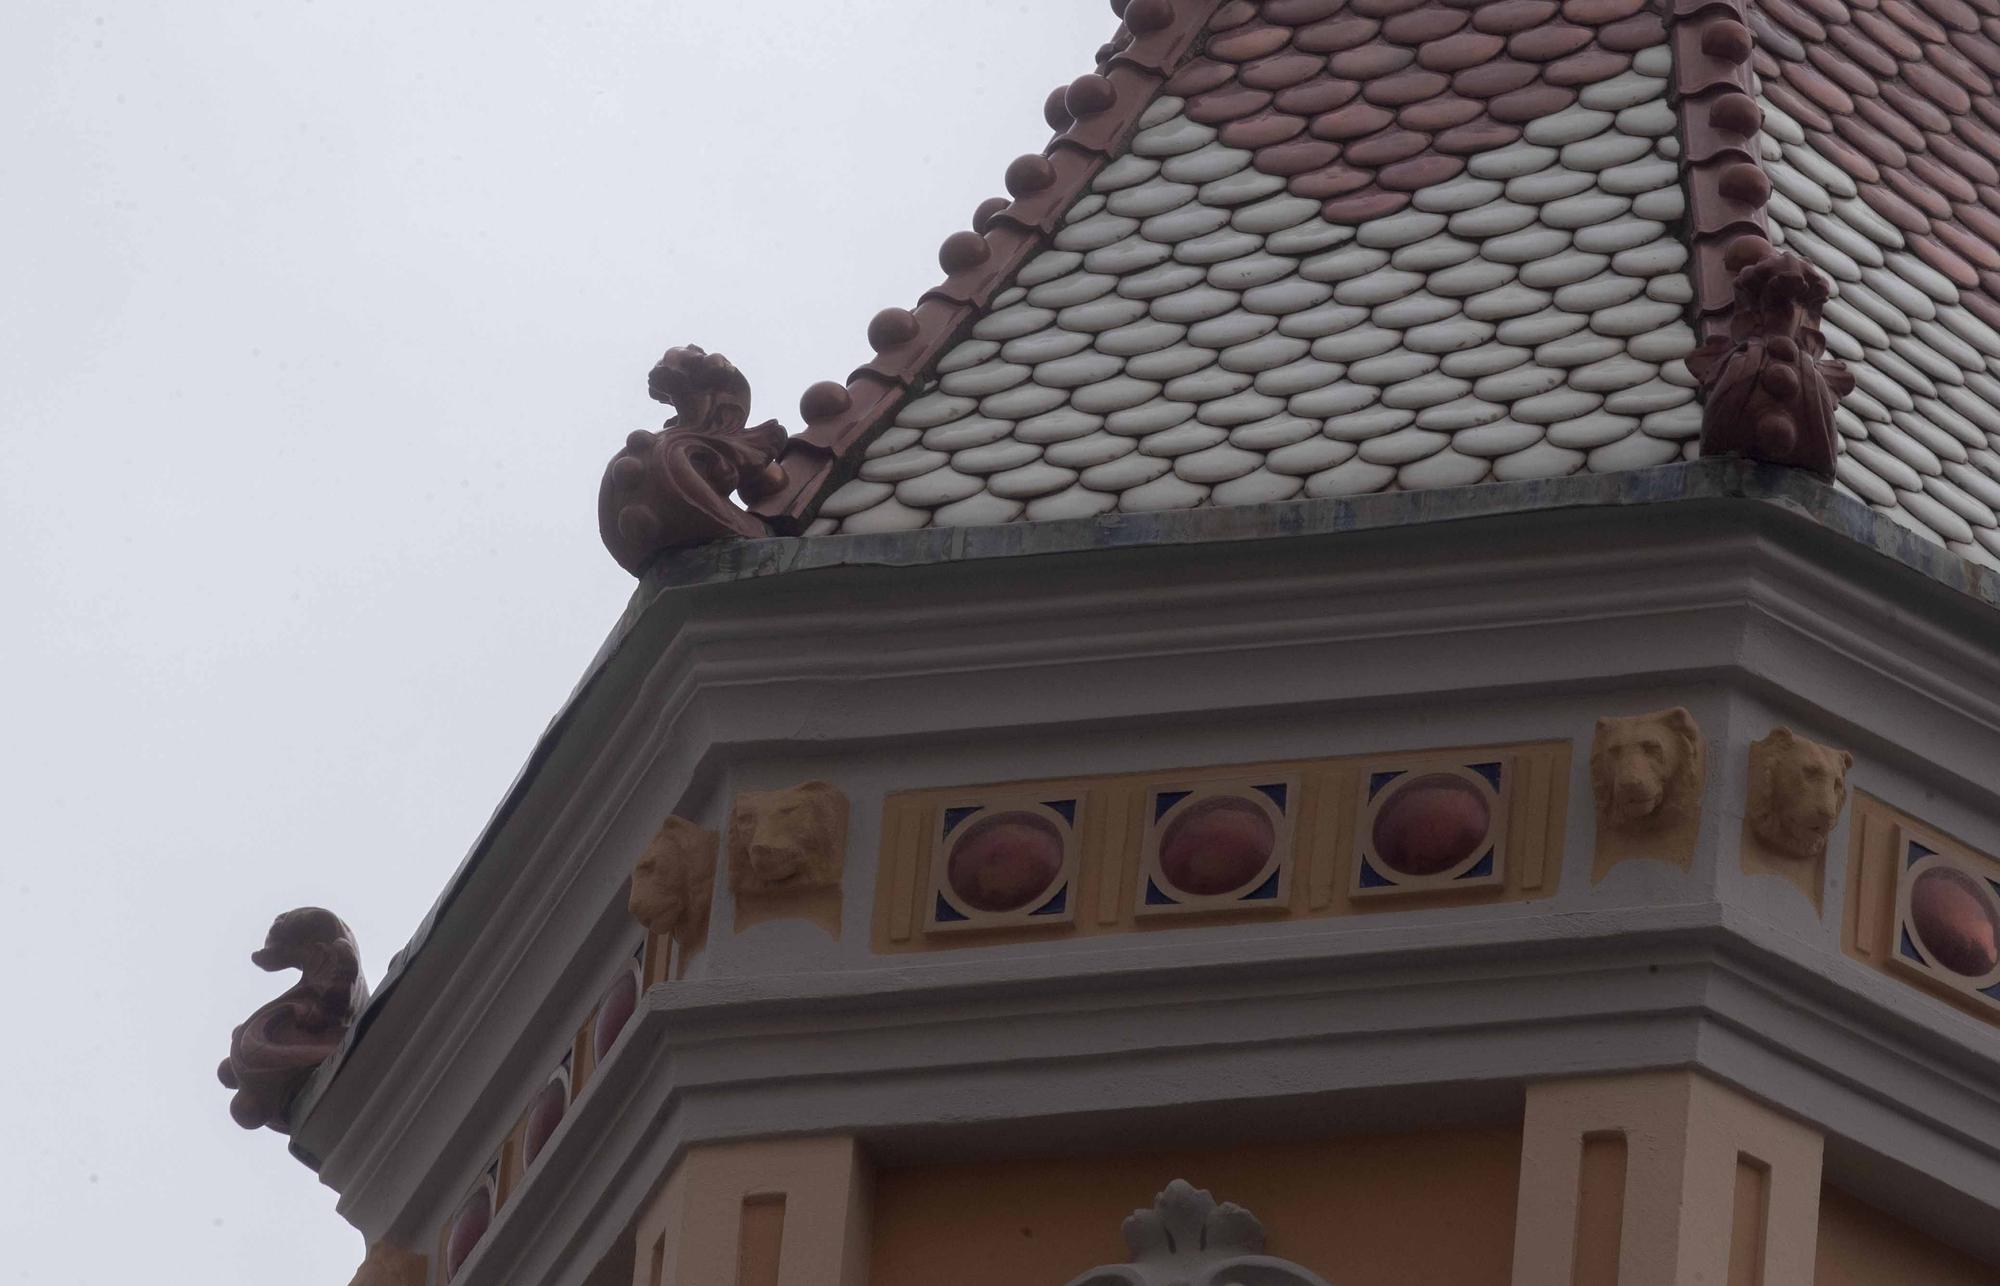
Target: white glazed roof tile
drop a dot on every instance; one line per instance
(1923, 363)
(1196, 333)
(1205, 339)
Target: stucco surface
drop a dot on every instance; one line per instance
(1358, 1209)
(1861, 1246)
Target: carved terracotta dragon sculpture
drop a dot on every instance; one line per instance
(273, 1054)
(673, 487)
(1769, 390)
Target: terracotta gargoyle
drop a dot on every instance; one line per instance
(1768, 389)
(273, 1054)
(672, 487)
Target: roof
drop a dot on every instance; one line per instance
(1881, 138)
(1313, 248)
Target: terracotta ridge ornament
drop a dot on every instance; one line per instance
(1092, 117)
(1726, 184)
(1768, 389)
(672, 487)
(1188, 1239)
(277, 1050)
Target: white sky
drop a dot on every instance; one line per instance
(318, 322)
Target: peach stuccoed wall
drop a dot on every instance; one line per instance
(1861, 1246)
(1656, 1179)
(1434, 1207)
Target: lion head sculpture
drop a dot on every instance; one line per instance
(787, 840)
(673, 881)
(1647, 769)
(1797, 791)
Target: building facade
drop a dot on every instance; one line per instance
(1396, 678)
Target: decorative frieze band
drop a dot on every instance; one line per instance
(1296, 839)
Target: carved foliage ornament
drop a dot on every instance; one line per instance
(672, 487)
(1768, 389)
(1797, 791)
(273, 1054)
(1186, 1239)
(673, 881)
(1646, 770)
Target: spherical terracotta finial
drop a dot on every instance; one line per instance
(1147, 16)
(1088, 95)
(892, 328)
(1118, 7)
(1056, 110)
(989, 210)
(1728, 40)
(1030, 175)
(824, 401)
(1744, 251)
(963, 250)
(1746, 183)
(1736, 114)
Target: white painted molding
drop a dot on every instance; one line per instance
(1515, 611)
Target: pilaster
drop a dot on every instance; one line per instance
(1663, 1179)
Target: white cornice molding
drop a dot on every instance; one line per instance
(1737, 592)
(1171, 1027)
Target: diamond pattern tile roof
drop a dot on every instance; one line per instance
(1305, 248)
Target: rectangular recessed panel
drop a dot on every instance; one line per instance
(1316, 860)
(761, 1240)
(1600, 1210)
(1746, 1228)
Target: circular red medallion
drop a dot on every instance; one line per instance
(467, 1227)
(1431, 824)
(1004, 861)
(1216, 845)
(613, 1012)
(1955, 921)
(544, 1115)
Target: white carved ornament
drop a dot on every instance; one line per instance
(1186, 1239)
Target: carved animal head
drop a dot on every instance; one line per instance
(780, 840)
(1797, 791)
(1646, 770)
(673, 881)
(1777, 293)
(705, 389)
(294, 936)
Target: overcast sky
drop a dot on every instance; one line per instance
(320, 320)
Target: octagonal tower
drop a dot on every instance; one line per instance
(1397, 676)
